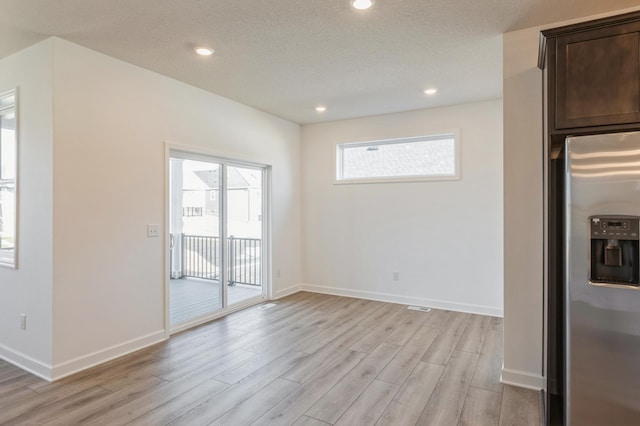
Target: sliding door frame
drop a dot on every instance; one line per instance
(173, 150)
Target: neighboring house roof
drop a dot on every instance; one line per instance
(209, 179)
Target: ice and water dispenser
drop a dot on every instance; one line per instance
(614, 250)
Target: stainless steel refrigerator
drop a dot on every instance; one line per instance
(602, 297)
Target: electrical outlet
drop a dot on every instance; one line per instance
(153, 231)
(23, 321)
(278, 273)
(396, 276)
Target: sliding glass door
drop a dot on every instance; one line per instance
(216, 225)
(244, 232)
(195, 226)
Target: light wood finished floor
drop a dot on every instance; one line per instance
(310, 360)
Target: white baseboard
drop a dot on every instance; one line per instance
(405, 300)
(522, 379)
(287, 291)
(27, 363)
(76, 365)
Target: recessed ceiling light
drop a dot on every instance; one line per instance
(431, 91)
(361, 4)
(321, 108)
(204, 51)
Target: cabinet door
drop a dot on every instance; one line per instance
(598, 77)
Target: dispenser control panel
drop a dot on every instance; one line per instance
(614, 250)
(615, 228)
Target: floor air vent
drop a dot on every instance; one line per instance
(419, 308)
(266, 306)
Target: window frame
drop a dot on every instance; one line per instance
(11, 261)
(447, 134)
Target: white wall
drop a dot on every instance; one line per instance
(523, 202)
(523, 214)
(111, 120)
(444, 237)
(28, 288)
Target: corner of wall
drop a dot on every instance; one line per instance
(279, 294)
(522, 379)
(26, 362)
(28, 288)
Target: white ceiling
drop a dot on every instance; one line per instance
(287, 56)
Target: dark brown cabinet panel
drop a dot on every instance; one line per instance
(598, 81)
(594, 75)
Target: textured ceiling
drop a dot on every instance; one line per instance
(287, 56)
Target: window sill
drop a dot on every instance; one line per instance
(407, 179)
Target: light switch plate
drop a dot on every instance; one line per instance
(153, 231)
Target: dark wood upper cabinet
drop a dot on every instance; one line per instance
(593, 74)
(597, 80)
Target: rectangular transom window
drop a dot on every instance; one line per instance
(432, 157)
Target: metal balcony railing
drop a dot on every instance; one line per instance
(245, 261)
(201, 258)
